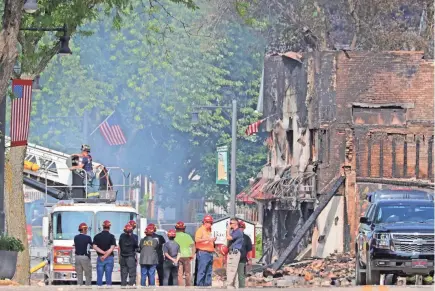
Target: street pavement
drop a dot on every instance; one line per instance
(171, 288)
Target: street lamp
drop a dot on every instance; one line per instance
(36, 87)
(31, 6)
(233, 148)
(64, 40)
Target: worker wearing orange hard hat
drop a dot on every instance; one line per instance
(187, 253)
(204, 244)
(149, 258)
(104, 245)
(127, 256)
(161, 241)
(82, 243)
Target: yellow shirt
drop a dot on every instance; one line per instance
(203, 233)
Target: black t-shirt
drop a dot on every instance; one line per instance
(104, 240)
(127, 245)
(82, 243)
(247, 247)
(160, 247)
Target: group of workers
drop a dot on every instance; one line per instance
(170, 259)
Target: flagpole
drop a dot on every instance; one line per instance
(102, 123)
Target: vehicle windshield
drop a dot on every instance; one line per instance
(117, 219)
(66, 223)
(405, 213)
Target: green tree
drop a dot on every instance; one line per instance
(37, 50)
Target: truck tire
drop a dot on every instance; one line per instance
(373, 277)
(360, 275)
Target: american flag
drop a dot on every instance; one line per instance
(253, 128)
(112, 132)
(20, 111)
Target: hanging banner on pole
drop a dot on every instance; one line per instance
(222, 166)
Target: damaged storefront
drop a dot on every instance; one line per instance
(363, 116)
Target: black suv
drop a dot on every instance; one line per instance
(395, 237)
(385, 194)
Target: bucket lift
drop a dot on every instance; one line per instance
(48, 171)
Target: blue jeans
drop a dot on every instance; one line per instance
(150, 272)
(105, 267)
(205, 268)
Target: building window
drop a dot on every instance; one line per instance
(323, 149)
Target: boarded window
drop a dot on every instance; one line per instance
(324, 145)
(388, 116)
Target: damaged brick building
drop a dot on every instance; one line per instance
(366, 116)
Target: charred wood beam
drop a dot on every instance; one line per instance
(395, 182)
(307, 225)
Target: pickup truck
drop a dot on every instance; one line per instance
(395, 237)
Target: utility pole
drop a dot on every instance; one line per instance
(233, 159)
(2, 164)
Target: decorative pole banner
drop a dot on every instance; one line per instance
(20, 111)
(222, 166)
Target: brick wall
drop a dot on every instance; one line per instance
(388, 77)
(393, 141)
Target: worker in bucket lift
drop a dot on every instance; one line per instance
(204, 244)
(127, 256)
(82, 244)
(86, 165)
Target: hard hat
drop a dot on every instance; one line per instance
(153, 226)
(149, 230)
(180, 225)
(223, 249)
(208, 218)
(107, 223)
(83, 226)
(242, 224)
(128, 228)
(172, 233)
(86, 148)
(132, 223)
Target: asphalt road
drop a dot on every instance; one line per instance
(171, 288)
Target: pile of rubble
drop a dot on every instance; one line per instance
(335, 270)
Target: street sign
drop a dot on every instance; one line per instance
(219, 230)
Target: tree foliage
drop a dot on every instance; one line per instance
(153, 70)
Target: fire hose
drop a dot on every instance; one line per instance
(39, 266)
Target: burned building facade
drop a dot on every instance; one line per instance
(367, 116)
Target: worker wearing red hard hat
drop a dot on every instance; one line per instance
(245, 255)
(171, 251)
(104, 245)
(149, 258)
(187, 253)
(204, 243)
(82, 243)
(161, 241)
(127, 256)
(134, 225)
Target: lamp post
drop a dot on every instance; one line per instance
(64, 40)
(30, 6)
(233, 185)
